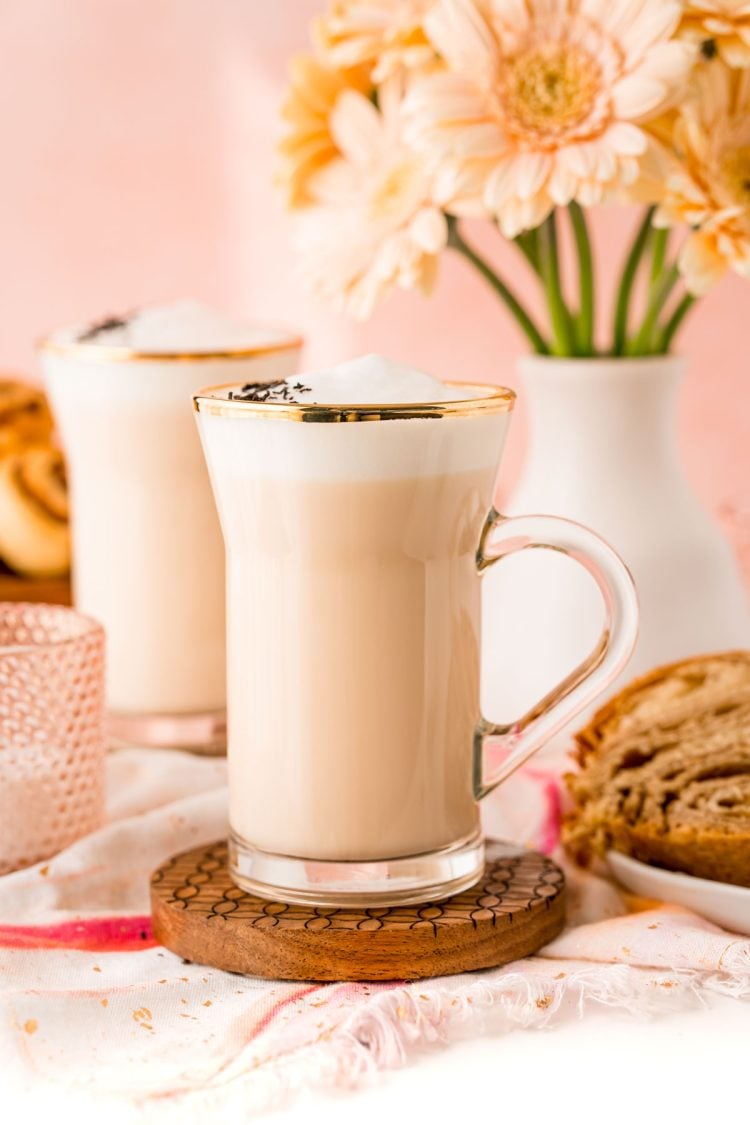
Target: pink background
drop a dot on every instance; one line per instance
(137, 140)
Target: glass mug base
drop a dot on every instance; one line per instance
(202, 732)
(429, 877)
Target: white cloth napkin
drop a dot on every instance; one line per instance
(90, 1005)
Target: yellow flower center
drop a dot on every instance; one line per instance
(735, 169)
(394, 195)
(549, 89)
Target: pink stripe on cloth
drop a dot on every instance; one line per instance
(116, 935)
(280, 1005)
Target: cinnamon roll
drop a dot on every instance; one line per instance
(34, 537)
(25, 417)
(665, 771)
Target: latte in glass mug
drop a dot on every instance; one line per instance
(148, 556)
(356, 508)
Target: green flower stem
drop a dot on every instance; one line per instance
(549, 263)
(527, 325)
(527, 244)
(670, 330)
(658, 256)
(622, 306)
(643, 344)
(585, 319)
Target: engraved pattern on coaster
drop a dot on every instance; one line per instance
(513, 881)
(515, 908)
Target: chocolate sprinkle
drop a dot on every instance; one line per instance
(106, 324)
(269, 392)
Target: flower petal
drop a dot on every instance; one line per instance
(589, 193)
(356, 127)
(510, 218)
(635, 24)
(562, 184)
(532, 169)
(635, 96)
(700, 263)
(626, 139)
(429, 230)
(579, 159)
(501, 184)
(460, 35)
(668, 62)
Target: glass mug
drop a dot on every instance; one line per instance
(355, 547)
(148, 558)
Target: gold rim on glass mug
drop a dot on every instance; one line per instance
(92, 352)
(486, 399)
(357, 750)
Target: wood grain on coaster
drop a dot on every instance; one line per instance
(199, 913)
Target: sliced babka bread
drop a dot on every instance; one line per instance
(665, 771)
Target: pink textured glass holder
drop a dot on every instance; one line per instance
(51, 730)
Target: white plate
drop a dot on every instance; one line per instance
(722, 903)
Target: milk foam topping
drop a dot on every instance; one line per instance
(177, 326)
(372, 379)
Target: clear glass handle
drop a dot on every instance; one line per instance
(512, 743)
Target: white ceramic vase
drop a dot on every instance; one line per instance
(603, 451)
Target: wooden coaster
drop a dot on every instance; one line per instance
(199, 913)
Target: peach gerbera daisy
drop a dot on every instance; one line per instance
(384, 34)
(374, 223)
(541, 101)
(721, 26)
(308, 145)
(704, 181)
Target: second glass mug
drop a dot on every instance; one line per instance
(148, 559)
(356, 538)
